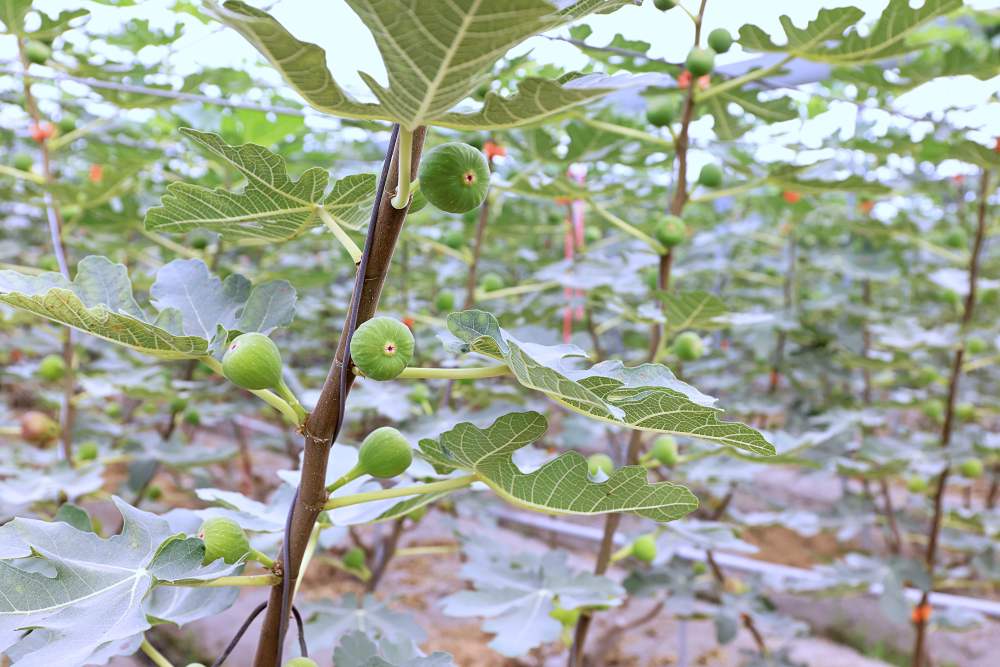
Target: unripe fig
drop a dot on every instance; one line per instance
(67, 123)
(965, 411)
(592, 235)
(23, 162)
(916, 484)
(38, 428)
(492, 282)
(301, 662)
(199, 242)
(720, 40)
(927, 375)
(671, 231)
(52, 368)
(700, 61)
(253, 362)
(644, 548)
(664, 450)
(956, 238)
(699, 568)
(971, 468)
(597, 462)
(178, 404)
(154, 492)
(113, 410)
(225, 539)
(192, 417)
(455, 177)
(688, 346)
(661, 114)
(664, 5)
(354, 558)
(382, 347)
(445, 302)
(385, 453)
(87, 451)
(710, 176)
(567, 617)
(48, 263)
(933, 409)
(453, 239)
(37, 52)
(976, 345)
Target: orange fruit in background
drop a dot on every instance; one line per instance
(96, 174)
(492, 150)
(791, 196)
(866, 206)
(41, 132)
(921, 613)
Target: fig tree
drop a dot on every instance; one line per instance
(354, 558)
(37, 52)
(597, 462)
(671, 231)
(700, 61)
(664, 450)
(720, 40)
(38, 428)
(688, 346)
(23, 162)
(253, 362)
(385, 453)
(492, 282)
(644, 548)
(971, 468)
(455, 177)
(382, 347)
(664, 5)
(225, 539)
(445, 302)
(52, 368)
(710, 176)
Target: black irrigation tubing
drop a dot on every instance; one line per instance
(352, 323)
(303, 649)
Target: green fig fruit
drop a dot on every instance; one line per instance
(454, 239)
(444, 302)
(491, 282)
(664, 5)
(37, 52)
(688, 346)
(455, 177)
(23, 162)
(700, 61)
(965, 411)
(382, 347)
(597, 462)
(253, 362)
(976, 345)
(301, 662)
(225, 539)
(661, 114)
(710, 176)
(385, 453)
(644, 548)
(671, 231)
(52, 368)
(66, 124)
(916, 484)
(87, 451)
(971, 468)
(664, 450)
(720, 40)
(354, 558)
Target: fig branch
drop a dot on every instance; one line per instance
(323, 424)
(400, 492)
(41, 132)
(931, 554)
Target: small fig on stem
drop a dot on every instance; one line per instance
(455, 177)
(382, 347)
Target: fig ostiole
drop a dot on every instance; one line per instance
(455, 177)
(381, 348)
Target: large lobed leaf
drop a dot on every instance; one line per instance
(824, 39)
(435, 54)
(647, 397)
(84, 597)
(196, 309)
(271, 208)
(561, 485)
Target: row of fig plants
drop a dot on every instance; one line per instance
(666, 279)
